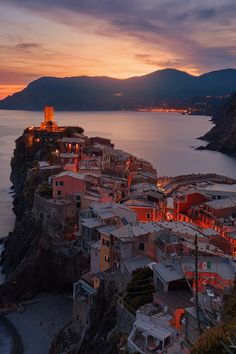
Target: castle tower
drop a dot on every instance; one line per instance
(48, 123)
(48, 114)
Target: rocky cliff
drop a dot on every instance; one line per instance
(100, 336)
(222, 137)
(34, 260)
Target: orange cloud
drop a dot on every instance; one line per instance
(6, 90)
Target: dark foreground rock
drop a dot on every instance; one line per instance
(13, 344)
(35, 261)
(100, 336)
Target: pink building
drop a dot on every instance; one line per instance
(67, 184)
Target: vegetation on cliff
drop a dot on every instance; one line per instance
(221, 338)
(140, 289)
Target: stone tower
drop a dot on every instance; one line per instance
(48, 123)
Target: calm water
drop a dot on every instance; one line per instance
(165, 139)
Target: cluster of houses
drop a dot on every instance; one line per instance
(108, 204)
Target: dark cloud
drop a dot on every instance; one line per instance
(174, 26)
(28, 46)
(151, 60)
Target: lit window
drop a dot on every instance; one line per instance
(107, 259)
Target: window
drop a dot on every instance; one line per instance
(56, 183)
(105, 242)
(61, 183)
(148, 216)
(141, 246)
(107, 259)
(58, 192)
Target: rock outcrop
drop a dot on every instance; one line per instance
(222, 137)
(34, 259)
(100, 336)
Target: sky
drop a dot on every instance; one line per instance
(118, 38)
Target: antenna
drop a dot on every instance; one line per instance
(196, 284)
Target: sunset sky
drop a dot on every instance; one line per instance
(118, 38)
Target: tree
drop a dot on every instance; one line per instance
(218, 339)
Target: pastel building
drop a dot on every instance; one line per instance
(68, 184)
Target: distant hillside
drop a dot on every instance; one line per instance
(164, 87)
(222, 137)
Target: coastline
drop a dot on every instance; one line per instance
(13, 344)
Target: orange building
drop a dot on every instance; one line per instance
(146, 210)
(184, 201)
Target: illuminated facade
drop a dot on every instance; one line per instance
(48, 124)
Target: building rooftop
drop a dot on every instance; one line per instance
(217, 193)
(96, 246)
(72, 140)
(68, 155)
(106, 229)
(91, 223)
(60, 201)
(219, 265)
(167, 272)
(134, 263)
(175, 298)
(144, 187)
(130, 231)
(153, 329)
(209, 232)
(222, 203)
(72, 174)
(138, 202)
(184, 228)
(110, 210)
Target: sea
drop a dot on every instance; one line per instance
(168, 140)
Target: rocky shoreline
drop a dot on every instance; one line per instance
(222, 137)
(12, 342)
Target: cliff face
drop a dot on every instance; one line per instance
(100, 336)
(41, 263)
(33, 260)
(222, 137)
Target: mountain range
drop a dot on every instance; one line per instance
(168, 87)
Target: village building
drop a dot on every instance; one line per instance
(68, 184)
(152, 331)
